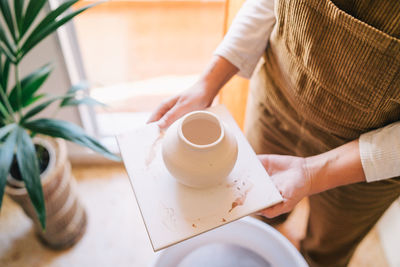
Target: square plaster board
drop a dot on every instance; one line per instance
(173, 212)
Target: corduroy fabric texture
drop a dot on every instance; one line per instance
(331, 73)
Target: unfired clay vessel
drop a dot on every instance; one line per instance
(199, 150)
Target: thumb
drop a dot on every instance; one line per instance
(275, 163)
(266, 162)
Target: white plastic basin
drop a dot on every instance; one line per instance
(244, 243)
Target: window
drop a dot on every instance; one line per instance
(137, 53)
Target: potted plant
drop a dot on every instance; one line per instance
(34, 169)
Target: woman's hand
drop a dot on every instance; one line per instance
(291, 178)
(199, 96)
(297, 177)
(195, 98)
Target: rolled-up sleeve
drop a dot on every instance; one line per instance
(380, 152)
(247, 38)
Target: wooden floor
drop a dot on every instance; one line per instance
(116, 235)
(124, 41)
(154, 44)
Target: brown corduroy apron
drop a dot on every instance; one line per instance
(331, 73)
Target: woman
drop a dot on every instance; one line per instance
(326, 97)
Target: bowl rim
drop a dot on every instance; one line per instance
(261, 238)
(202, 114)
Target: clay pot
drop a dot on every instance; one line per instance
(199, 150)
(66, 218)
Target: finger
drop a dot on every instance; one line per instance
(273, 211)
(172, 115)
(162, 109)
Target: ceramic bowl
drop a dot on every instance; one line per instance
(199, 150)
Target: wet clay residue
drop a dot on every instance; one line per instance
(232, 184)
(153, 150)
(239, 201)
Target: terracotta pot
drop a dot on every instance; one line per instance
(199, 150)
(66, 218)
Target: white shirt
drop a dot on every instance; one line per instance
(243, 46)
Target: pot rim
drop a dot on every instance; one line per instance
(52, 162)
(201, 114)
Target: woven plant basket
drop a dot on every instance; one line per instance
(66, 218)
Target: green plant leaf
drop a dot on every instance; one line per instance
(33, 9)
(5, 74)
(68, 131)
(53, 15)
(1, 71)
(18, 10)
(6, 156)
(29, 85)
(6, 129)
(5, 9)
(10, 46)
(29, 168)
(34, 99)
(78, 87)
(82, 101)
(7, 53)
(3, 110)
(37, 36)
(39, 108)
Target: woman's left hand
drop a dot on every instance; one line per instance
(297, 177)
(291, 178)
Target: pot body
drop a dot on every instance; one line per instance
(199, 150)
(65, 216)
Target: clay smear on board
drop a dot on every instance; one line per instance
(239, 201)
(169, 218)
(153, 149)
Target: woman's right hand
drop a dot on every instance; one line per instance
(194, 98)
(199, 96)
